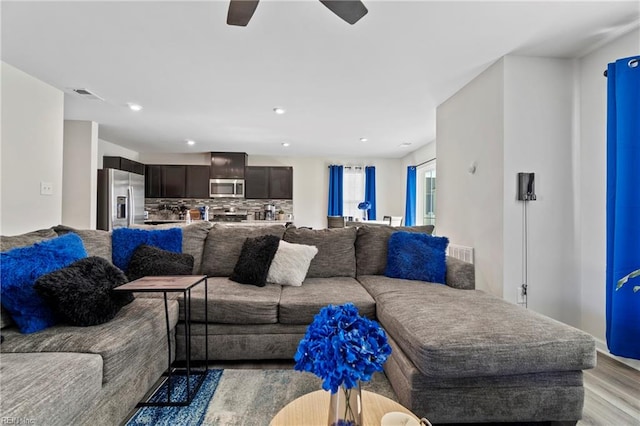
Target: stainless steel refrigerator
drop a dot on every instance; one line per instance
(120, 199)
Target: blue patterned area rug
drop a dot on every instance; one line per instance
(242, 397)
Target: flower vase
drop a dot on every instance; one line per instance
(345, 407)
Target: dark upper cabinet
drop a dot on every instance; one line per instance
(197, 182)
(269, 182)
(174, 181)
(281, 182)
(256, 182)
(228, 165)
(165, 181)
(121, 163)
(153, 181)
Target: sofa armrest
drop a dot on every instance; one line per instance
(460, 275)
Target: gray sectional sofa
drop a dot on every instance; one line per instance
(459, 354)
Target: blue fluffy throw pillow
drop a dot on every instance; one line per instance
(414, 256)
(21, 267)
(126, 240)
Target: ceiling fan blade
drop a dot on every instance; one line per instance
(241, 11)
(349, 10)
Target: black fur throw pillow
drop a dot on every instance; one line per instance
(255, 259)
(149, 260)
(81, 294)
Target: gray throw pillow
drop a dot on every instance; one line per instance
(336, 251)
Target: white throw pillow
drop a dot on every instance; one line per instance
(291, 263)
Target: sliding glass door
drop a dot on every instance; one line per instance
(426, 196)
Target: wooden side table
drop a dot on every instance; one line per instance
(312, 409)
(172, 284)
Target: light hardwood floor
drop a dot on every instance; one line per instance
(612, 394)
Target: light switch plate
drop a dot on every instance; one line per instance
(46, 188)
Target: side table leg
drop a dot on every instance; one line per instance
(166, 317)
(206, 324)
(187, 335)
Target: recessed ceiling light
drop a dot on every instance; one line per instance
(134, 107)
(279, 110)
(191, 142)
(285, 144)
(363, 139)
(405, 144)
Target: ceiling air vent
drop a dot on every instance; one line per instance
(86, 94)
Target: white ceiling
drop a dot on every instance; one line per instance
(199, 79)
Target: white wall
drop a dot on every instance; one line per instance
(469, 208)
(32, 135)
(110, 149)
(79, 176)
(593, 113)
(538, 106)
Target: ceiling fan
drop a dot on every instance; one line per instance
(241, 11)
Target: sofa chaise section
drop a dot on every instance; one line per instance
(505, 362)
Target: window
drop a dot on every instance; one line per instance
(426, 188)
(353, 190)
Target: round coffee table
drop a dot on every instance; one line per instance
(313, 409)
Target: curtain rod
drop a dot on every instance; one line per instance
(425, 162)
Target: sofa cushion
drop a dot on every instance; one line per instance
(372, 246)
(135, 331)
(73, 381)
(416, 256)
(336, 250)
(96, 242)
(81, 295)
(298, 305)
(233, 303)
(24, 240)
(291, 263)
(153, 261)
(20, 267)
(254, 260)
(126, 240)
(223, 246)
(451, 333)
(193, 237)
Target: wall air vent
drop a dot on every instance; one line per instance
(87, 94)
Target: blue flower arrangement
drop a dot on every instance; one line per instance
(341, 347)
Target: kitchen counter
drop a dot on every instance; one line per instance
(256, 223)
(242, 223)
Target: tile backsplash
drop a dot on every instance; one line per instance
(155, 205)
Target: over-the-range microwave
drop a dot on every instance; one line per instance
(226, 188)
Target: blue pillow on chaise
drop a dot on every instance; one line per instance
(126, 240)
(21, 267)
(416, 256)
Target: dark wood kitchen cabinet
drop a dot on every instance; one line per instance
(256, 182)
(263, 182)
(121, 163)
(228, 165)
(153, 181)
(174, 181)
(165, 181)
(197, 182)
(281, 183)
